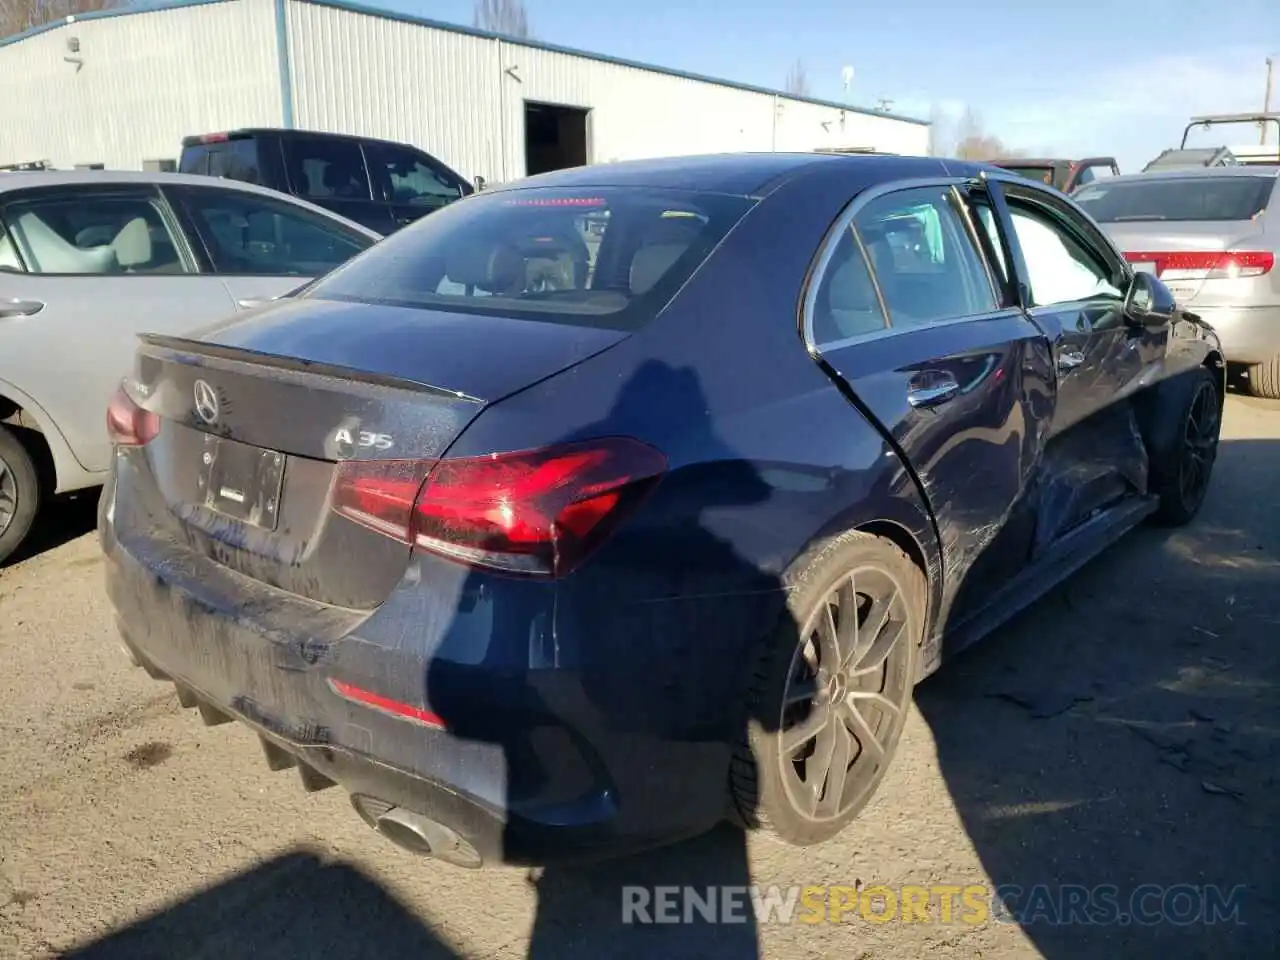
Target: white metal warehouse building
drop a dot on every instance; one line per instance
(123, 87)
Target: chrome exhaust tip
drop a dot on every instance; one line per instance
(417, 834)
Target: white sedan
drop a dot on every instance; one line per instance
(89, 259)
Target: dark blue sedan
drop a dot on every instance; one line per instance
(597, 508)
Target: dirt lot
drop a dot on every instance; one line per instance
(1123, 732)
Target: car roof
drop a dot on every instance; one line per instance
(738, 174)
(1188, 173)
(244, 133)
(27, 179)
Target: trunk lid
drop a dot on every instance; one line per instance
(258, 412)
(1138, 240)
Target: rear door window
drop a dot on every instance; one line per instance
(326, 169)
(76, 232)
(252, 235)
(608, 257)
(1176, 198)
(925, 262)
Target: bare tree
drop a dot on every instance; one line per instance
(797, 83)
(19, 15)
(974, 143)
(507, 17)
(939, 136)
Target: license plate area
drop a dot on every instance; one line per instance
(241, 481)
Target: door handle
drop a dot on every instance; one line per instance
(932, 388)
(20, 308)
(1070, 359)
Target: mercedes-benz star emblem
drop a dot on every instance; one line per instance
(206, 402)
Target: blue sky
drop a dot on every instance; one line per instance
(1070, 79)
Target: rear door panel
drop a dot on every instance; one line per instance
(966, 399)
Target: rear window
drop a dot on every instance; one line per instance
(1177, 198)
(231, 159)
(605, 257)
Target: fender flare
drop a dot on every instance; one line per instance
(66, 466)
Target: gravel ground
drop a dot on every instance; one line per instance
(1123, 732)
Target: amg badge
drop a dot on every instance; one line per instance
(348, 439)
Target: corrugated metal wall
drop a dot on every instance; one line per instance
(150, 78)
(385, 78)
(147, 80)
(462, 98)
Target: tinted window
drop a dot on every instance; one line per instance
(1177, 198)
(1060, 267)
(77, 234)
(247, 234)
(846, 304)
(924, 261)
(326, 169)
(404, 176)
(608, 257)
(236, 160)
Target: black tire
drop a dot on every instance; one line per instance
(1181, 464)
(856, 571)
(19, 493)
(1264, 379)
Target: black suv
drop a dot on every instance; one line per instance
(379, 183)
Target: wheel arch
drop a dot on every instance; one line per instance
(905, 522)
(44, 441)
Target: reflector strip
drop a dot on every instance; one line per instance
(395, 708)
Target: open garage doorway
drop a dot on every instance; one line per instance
(555, 137)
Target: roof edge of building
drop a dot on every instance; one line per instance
(371, 11)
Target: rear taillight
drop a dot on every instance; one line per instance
(1207, 265)
(128, 425)
(534, 513)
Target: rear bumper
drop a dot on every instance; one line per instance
(1248, 334)
(546, 773)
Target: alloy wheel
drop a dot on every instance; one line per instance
(846, 688)
(1200, 445)
(8, 496)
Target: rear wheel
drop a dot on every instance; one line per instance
(1264, 379)
(19, 493)
(1180, 472)
(832, 691)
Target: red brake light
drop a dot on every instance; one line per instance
(215, 138)
(128, 425)
(1207, 265)
(533, 513)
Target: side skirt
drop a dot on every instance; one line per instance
(1063, 559)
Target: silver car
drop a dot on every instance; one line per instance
(88, 259)
(1212, 236)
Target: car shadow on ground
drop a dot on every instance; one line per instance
(295, 905)
(60, 521)
(1112, 753)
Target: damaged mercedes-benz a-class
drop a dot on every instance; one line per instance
(605, 505)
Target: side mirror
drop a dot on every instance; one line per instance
(479, 182)
(1149, 303)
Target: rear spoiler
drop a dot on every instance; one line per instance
(185, 350)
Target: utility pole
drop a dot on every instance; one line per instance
(1266, 99)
